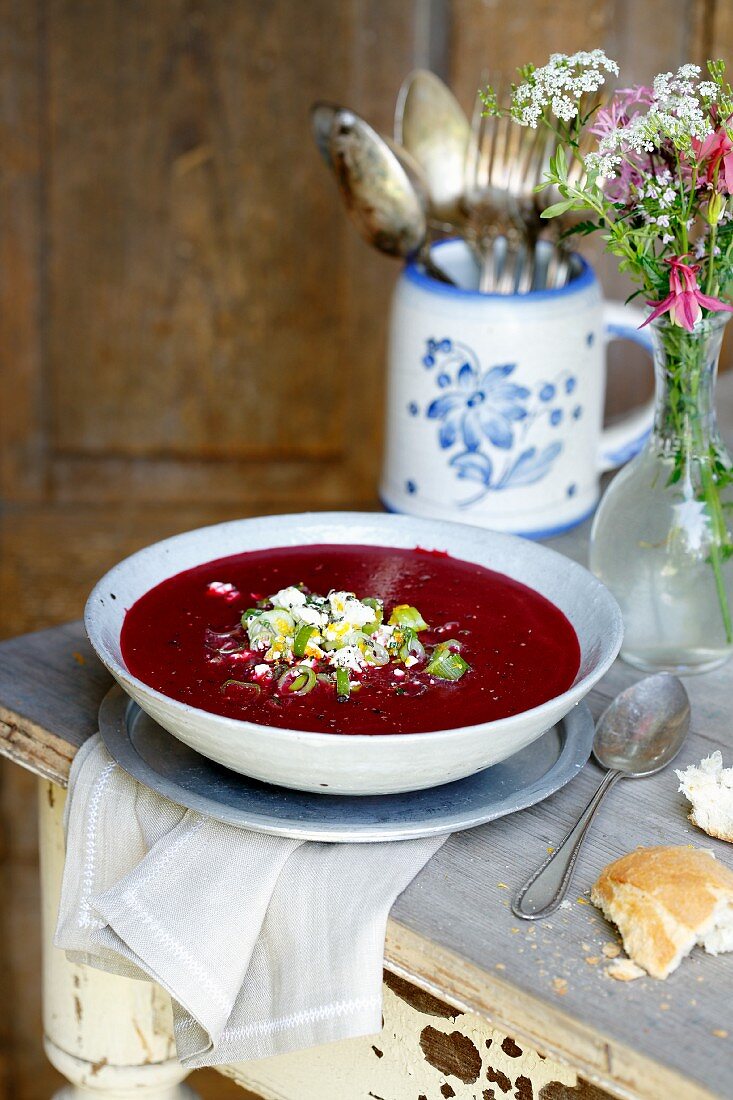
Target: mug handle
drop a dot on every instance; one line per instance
(622, 440)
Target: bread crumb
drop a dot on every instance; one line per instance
(550, 850)
(583, 901)
(502, 886)
(560, 986)
(664, 1006)
(585, 947)
(720, 1033)
(592, 960)
(624, 970)
(611, 950)
(500, 966)
(79, 658)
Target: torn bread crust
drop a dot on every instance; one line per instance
(664, 902)
(709, 787)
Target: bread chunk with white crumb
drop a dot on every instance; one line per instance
(709, 787)
(664, 902)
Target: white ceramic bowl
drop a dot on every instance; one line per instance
(380, 764)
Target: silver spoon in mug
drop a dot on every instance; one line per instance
(640, 733)
(382, 187)
(432, 126)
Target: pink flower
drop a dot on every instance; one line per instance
(715, 155)
(621, 109)
(684, 301)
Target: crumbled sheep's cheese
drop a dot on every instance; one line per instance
(347, 657)
(345, 607)
(262, 670)
(288, 598)
(310, 615)
(410, 661)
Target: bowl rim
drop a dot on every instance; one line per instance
(571, 696)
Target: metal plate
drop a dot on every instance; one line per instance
(159, 760)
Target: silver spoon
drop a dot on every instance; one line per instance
(640, 733)
(382, 187)
(432, 126)
(323, 116)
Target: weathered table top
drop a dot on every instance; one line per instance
(452, 931)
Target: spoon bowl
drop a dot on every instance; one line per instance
(383, 187)
(432, 126)
(644, 727)
(379, 194)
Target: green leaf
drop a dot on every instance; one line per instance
(559, 164)
(558, 208)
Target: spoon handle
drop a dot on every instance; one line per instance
(543, 892)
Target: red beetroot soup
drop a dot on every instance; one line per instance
(521, 650)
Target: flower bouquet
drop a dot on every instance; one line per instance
(651, 169)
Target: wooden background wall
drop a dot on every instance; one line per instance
(191, 331)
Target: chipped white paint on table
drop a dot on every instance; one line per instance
(543, 985)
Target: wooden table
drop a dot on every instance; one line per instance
(477, 1004)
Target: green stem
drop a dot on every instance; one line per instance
(713, 235)
(686, 363)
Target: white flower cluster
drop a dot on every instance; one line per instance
(559, 85)
(603, 164)
(676, 114)
(708, 89)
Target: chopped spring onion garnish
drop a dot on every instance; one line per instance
(298, 680)
(375, 653)
(302, 638)
(446, 665)
(246, 684)
(300, 641)
(343, 686)
(405, 615)
(414, 648)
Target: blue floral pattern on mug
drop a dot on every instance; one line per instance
(485, 417)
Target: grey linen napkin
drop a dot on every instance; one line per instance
(265, 944)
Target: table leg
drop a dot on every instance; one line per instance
(104, 1033)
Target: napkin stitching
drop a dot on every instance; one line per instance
(166, 857)
(305, 1016)
(167, 940)
(86, 919)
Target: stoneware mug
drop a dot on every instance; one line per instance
(495, 402)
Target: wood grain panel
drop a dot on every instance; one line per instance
(719, 37)
(22, 441)
(184, 187)
(496, 37)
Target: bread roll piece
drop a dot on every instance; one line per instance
(709, 788)
(666, 900)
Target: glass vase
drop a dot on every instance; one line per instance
(662, 538)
